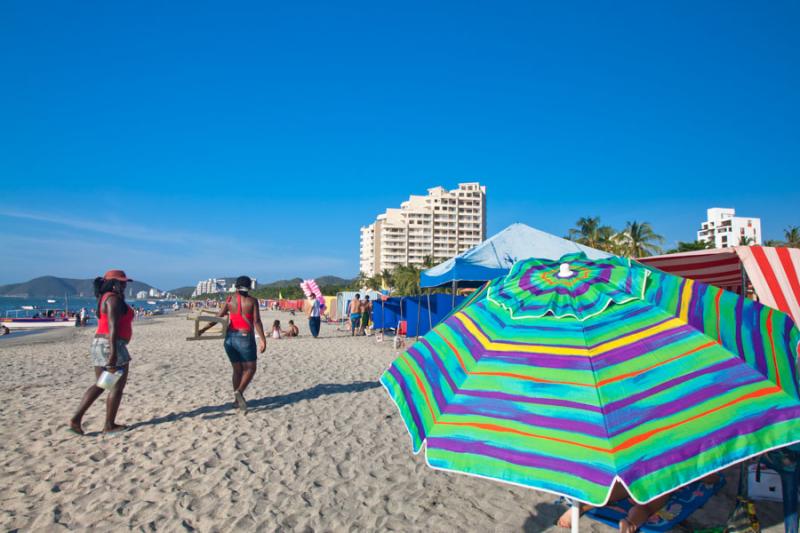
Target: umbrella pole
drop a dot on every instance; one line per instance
(419, 308)
(430, 320)
(576, 516)
(453, 302)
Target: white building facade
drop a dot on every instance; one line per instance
(724, 229)
(217, 285)
(209, 286)
(440, 225)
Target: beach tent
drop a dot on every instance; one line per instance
(343, 300)
(495, 256)
(773, 272)
(331, 309)
(420, 312)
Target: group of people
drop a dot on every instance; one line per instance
(244, 340)
(109, 352)
(360, 312)
(291, 331)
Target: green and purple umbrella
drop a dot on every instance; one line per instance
(567, 379)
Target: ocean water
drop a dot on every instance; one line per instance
(73, 304)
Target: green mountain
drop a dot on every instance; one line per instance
(271, 289)
(52, 286)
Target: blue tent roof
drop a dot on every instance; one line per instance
(495, 256)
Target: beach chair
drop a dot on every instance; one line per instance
(400, 335)
(680, 506)
(198, 336)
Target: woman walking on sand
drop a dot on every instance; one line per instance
(109, 347)
(240, 342)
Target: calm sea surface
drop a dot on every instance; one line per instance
(74, 304)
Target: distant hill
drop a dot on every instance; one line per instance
(182, 292)
(322, 281)
(50, 286)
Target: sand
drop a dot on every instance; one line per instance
(322, 447)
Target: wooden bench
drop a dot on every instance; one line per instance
(198, 336)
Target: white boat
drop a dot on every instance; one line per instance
(17, 319)
(151, 302)
(51, 301)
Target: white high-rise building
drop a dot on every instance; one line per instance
(724, 229)
(440, 225)
(217, 285)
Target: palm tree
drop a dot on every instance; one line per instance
(386, 278)
(406, 279)
(641, 240)
(359, 282)
(746, 241)
(373, 283)
(428, 261)
(591, 233)
(690, 246)
(791, 236)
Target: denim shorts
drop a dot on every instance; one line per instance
(101, 351)
(241, 347)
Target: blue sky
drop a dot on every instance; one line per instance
(187, 140)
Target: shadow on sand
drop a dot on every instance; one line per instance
(260, 404)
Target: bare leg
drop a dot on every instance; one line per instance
(237, 375)
(565, 520)
(91, 394)
(618, 492)
(248, 371)
(112, 403)
(638, 514)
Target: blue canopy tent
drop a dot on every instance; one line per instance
(420, 313)
(495, 256)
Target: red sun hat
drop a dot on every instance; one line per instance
(116, 274)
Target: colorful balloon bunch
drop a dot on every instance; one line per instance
(310, 287)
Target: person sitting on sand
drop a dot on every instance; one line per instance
(109, 347)
(292, 330)
(240, 342)
(4, 330)
(637, 514)
(276, 329)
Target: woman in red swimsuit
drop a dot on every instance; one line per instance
(109, 347)
(240, 342)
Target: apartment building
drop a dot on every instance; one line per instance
(724, 229)
(440, 225)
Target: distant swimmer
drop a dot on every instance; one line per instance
(109, 348)
(240, 342)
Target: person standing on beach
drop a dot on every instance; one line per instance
(355, 314)
(240, 341)
(313, 316)
(366, 312)
(109, 348)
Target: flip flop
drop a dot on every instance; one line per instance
(76, 432)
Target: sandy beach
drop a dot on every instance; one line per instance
(322, 447)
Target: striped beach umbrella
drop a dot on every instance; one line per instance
(570, 376)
